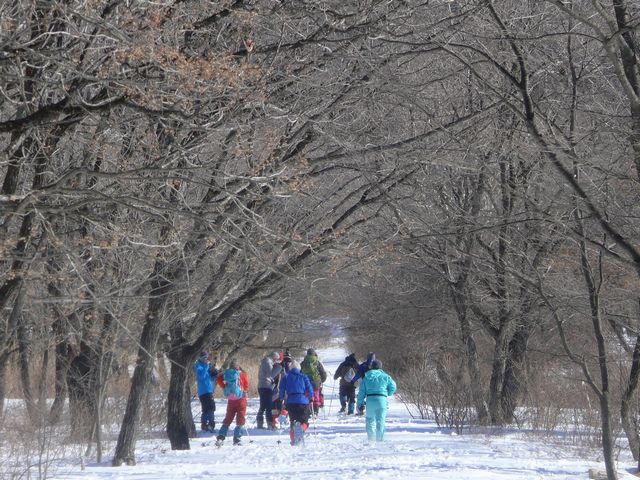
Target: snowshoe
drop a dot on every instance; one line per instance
(237, 441)
(219, 441)
(297, 436)
(208, 429)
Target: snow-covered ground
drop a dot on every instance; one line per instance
(336, 448)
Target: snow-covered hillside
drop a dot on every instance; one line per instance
(336, 448)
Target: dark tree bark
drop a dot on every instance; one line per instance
(515, 372)
(627, 413)
(180, 424)
(81, 388)
(25, 363)
(161, 283)
(60, 388)
(477, 391)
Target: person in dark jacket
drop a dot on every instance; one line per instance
(295, 393)
(269, 369)
(345, 372)
(376, 386)
(286, 361)
(277, 408)
(206, 377)
(362, 369)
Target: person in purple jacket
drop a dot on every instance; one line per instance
(295, 392)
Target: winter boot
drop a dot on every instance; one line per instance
(260, 422)
(219, 440)
(237, 441)
(343, 409)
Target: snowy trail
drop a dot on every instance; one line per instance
(336, 448)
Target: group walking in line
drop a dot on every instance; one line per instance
(288, 389)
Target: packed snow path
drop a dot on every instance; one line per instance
(336, 448)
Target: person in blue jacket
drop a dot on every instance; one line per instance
(362, 369)
(206, 377)
(375, 387)
(295, 393)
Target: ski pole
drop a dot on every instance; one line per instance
(332, 388)
(248, 435)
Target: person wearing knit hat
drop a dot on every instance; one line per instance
(277, 408)
(268, 371)
(376, 386)
(313, 368)
(286, 361)
(295, 392)
(206, 375)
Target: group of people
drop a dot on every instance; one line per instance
(290, 388)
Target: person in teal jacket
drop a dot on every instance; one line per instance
(376, 386)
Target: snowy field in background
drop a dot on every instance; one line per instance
(336, 448)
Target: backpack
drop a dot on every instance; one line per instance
(231, 380)
(349, 374)
(310, 368)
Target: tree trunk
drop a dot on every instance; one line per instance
(514, 373)
(477, 393)
(594, 281)
(102, 369)
(608, 440)
(5, 351)
(61, 368)
(81, 394)
(25, 363)
(125, 448)
(180, 425)
(42, 385)
(500, 355)
(629, 424)
(4, 362)
(59, 333)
